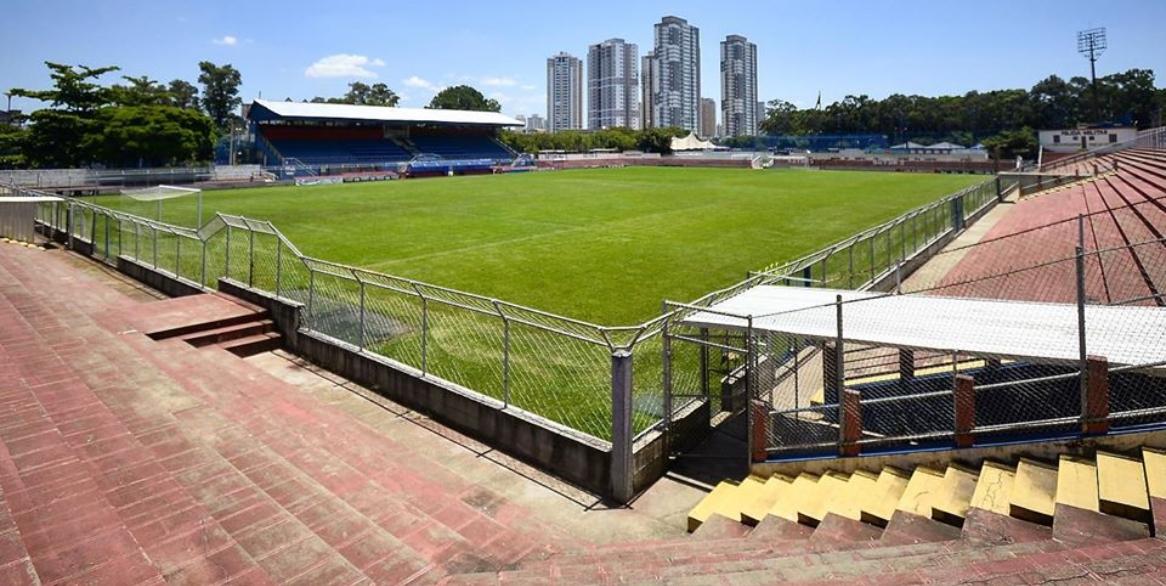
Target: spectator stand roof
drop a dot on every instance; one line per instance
(263, 110)
(1038, 332)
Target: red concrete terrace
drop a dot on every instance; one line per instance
(147, 440)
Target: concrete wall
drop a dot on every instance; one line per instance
(160, 280)
(575, 457)
(1047, 450)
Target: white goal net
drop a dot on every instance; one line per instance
(152, 202)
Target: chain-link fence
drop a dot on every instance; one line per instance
(552, 366)
(1051, 330)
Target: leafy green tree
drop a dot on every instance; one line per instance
(12, 137)
(1013, 143)
(141, 91)
(378, 94)
(152, 135)
(183, 94)
(57, 135)
(463, 97)
(220, 92)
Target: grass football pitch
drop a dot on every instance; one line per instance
(602, 245)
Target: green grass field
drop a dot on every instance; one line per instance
(603, 245)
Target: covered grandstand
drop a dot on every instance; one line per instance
(338, 138)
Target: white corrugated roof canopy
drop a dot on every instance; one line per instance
(382, 114)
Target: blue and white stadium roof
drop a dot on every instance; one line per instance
(262, 110)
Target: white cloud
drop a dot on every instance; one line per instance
(343, 65)
(498, 81)
(227, 40)
(528, 88)
(418, 82)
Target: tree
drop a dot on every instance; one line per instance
(57, 135)
(152, 135)
(1012, 143)
(220, 92)
(362, 94)
(183, 94)
(141, 91)
(463, 97)
(12, 137)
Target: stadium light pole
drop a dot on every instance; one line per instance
(1091, 44)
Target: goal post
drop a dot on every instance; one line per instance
(148, 202)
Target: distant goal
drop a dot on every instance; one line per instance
(165, 203)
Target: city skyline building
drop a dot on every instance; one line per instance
(676, 94)
(739, 104)
(564, 92)
(613, 83)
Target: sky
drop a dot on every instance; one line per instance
(304, 48)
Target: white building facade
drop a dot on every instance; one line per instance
(739, 86)
(564, 93)
(613, 84)
(676, 96)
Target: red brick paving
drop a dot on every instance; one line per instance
(1126, 208)
(125, 460)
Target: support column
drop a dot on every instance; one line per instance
(621, 426)
(965, 410)
(1095, 402)
(850, 426)
(760, 414)
(906, 367)
(831, 381)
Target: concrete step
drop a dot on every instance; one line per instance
(1033, 495)
(951, 504)
(252, 344)
(814, 504)
(1154, 462)
(227, 333)
(787, 508)
(775, 488)
(881, 503)
(1121, 487)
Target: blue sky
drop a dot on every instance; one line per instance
(304, 48)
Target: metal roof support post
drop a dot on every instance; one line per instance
(621, 426)
(1083, 352)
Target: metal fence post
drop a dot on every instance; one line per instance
(227, 260)
(137, 241)
(621, 426)
(850, 266)
(177, 255)
(311, 295)
(704, 363)
(362, 315)
(202, 263)
(839, 375)
(278, 264)
(505, 361)
(872, 260)
(154, 230)
(1083, 353)
(666, 377)
(424, 330)
(106, 237)
(250, 256)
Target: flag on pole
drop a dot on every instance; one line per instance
(818, 106)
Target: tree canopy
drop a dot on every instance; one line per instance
(139, 122)
(1129, 98)
(220, 92)
(463, 97)
(652, 140)
(378, 94)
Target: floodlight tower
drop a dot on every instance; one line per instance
(1091, 44)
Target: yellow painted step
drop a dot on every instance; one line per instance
(775, 488)
(1154, 462)
(848, 501)
(816, 504)
(993, 488)
(747, 492)
(891, 484)
(802, 486)
(1034, 492)
(1121, 487)
(951, 504)
(1077, 482)
(925, 483)
(720, 501)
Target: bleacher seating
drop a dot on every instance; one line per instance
(333, 146)
(468, 146)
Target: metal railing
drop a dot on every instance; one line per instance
(551, 366)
